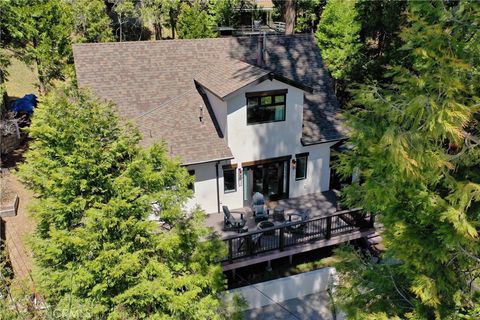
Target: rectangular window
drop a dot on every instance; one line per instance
(191, 185)
(266, 107)
(301, 166)
(229, 180)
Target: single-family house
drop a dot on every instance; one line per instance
(243, 114)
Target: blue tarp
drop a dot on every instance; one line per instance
(25, 104)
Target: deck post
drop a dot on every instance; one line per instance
(328, 232)
(290, 259)
(281, 239)
(269, 266)
(230, 251)
(372, 220)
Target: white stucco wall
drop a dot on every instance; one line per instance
(206, 188)
(260, 142)
(265, 140)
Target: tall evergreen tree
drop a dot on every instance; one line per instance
(94, 246)
(338, 36)
(415, 143)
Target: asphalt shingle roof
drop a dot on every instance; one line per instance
(152, 83)
(229, 76)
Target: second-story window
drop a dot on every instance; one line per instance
(266, 106)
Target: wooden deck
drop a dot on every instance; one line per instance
(320, 204)
(325, 227)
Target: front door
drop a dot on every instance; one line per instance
(270, 179)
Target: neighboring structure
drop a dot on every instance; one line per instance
(243, 114)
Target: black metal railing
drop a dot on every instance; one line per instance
(294, 233)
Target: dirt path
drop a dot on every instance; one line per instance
(18, 228)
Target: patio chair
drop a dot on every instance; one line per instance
(299, 228)
(259, 209)
(230, 222)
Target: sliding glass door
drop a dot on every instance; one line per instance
(268, 178)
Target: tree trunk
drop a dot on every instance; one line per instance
(289, 17)
(42, 85)
(158, 30)
(172, 22)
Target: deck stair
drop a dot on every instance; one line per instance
(374, 244)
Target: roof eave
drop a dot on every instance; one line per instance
(268, 76)
(206, 161)
(322, 141)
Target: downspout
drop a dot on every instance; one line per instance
(218, 186)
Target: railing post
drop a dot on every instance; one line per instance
(281, 239)
(328, 233)
(230, 251)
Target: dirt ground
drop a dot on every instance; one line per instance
(7, 194)
(18, 228)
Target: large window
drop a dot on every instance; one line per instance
(266, 107)
(229, 180)
(301, 166)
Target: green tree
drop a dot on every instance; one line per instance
(194, 22)
(415, 144)
(94, 246)
(381, 22)
(225, 12)
(41, 33)
(172, 8)
(338, 36)
(126, 14)
(91, 22)
(153, 12)
(308, 15)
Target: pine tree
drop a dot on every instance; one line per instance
(415, 143)
(338, 37)
(94, 246)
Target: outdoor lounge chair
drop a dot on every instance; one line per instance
(230, 222)
(259, 209)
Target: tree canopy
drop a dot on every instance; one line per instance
(94, 245)
(194, 22)
(415, 143)
(338, 37)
